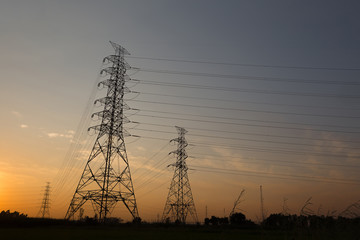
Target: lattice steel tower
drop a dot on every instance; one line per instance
(106, 179)
(45, 204)
(180, 202)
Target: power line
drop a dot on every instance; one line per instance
(151, 178)
(259, 149)
(246, 64)
(258, 91)
(246, 102)
(245, 110)
(248, 140)
(274, 175)
(270, 161)
(155, 154)
(250, 125)
(253, 78)
(274, 150)
(256, 134)
(75, 147)
(153, 189)
(145, 174)
(250, 120)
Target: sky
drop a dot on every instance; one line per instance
(267, 90)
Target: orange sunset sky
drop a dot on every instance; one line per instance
(268, 92)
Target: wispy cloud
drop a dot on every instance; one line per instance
(17, 114)
(68, 134)
(52, 135)
(139, 148)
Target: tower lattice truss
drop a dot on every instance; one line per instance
(180, 203)
(106, 178)
(45, 203)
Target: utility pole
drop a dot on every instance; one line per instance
(45, 204)
(262, 205)
(180, 202)
(106, 178)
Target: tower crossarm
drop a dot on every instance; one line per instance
(110, 82)
(103, 101)
(99, 128)
(119, 50)
(102, 114)
(118, 60)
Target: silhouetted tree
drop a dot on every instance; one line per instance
(237, 219)
(223, 221)
(137, 220)
(214, 221)
(6, 215)
(281, 221)
(90, 221)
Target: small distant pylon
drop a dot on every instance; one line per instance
(45, 204)
(180, 202)
(262, 205)
(285, 207)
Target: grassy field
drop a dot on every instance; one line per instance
(159, 233)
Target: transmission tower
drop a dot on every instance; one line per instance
(106, 178)
(180, 202)
(262, 205)
(285, 208)
(45, 204)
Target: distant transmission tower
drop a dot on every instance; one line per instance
(45, 204)
(285, 208)
(106, 179)
(180, 202)
(262, 205)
